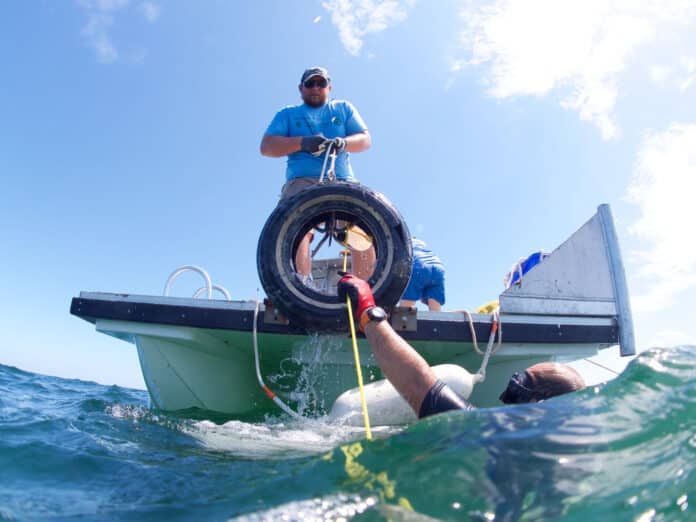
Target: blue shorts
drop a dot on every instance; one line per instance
(427, 282)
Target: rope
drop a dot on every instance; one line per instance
(331, 174)
(496, 328)
(473, 332)
(602, 366)
(265, 388)
(359, 232)
(356, 238)
(358, 371)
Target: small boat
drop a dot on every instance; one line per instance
(211, 353)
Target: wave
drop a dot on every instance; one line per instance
(625, 450)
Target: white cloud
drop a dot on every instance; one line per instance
(671, 338)
(689, 66)
(96, 32)
(103, 6)
(663, 187)
(100, 20)
(660, 74)
(576, 46)
(357, 18)
(150, 11)
(681, 76)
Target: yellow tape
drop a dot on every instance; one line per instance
(363, 402)
(376, 482)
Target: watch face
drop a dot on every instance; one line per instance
(377, 314)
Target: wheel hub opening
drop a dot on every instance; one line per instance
(329, 243)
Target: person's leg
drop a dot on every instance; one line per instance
(434, 292)
(303, 259)
(433, 305)
(414, 290)
(363, 262)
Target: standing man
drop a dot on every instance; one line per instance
(427, 283)
(303, 133)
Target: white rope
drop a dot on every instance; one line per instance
(496, 328)
(331, 174)
(265, 388)
(517, 269)
(473, 332)
(601, 366)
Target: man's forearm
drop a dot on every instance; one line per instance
(279, 146)
(408, 372)
(358, 142)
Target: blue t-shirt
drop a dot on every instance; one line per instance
(422, 255)
(337, 118)
(427, 277)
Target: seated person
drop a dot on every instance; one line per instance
(413, 378)
(427, 283)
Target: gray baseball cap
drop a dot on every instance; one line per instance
(315, 71)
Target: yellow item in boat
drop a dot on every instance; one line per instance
(487, 308)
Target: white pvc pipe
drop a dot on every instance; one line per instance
(219, 288)
(189, 268)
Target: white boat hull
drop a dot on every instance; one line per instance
(198, 353)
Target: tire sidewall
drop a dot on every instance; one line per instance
(288, 222)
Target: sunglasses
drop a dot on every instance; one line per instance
(316, 83)
(518, 391)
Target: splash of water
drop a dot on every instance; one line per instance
(302, 375)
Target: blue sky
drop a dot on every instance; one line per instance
(130, 133)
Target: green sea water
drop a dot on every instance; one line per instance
(625, 450)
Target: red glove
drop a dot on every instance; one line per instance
(360, 294)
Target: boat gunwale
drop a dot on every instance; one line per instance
(431, 326)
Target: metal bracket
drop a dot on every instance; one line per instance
(271, 315)
(404, 319)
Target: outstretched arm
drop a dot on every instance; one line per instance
(408, 372)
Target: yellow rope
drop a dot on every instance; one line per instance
(363, 402)
(359, 232)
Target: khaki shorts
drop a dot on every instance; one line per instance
(296, 185)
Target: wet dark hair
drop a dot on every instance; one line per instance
(541, 381)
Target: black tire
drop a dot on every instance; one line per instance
(295, 216)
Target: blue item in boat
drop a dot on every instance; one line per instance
(523, 266)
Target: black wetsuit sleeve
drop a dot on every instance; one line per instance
(440, 398)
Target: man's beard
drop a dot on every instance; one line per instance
(315, 101)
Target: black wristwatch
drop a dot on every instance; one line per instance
(376, 314)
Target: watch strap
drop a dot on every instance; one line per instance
(366, 318)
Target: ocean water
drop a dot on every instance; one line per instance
(625, 450)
